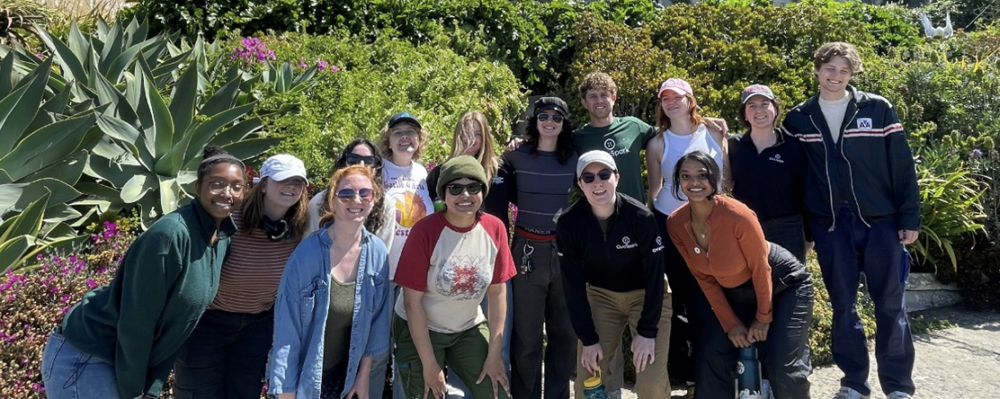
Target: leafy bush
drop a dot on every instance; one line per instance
(33, 301)
(376, 80)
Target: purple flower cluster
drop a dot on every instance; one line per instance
(35, 298)
(252, 49)
(321, 65)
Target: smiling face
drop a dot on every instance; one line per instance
(353, 208)
(221, 190)
(675, 105)
(834, 75)
(599, 103)
(549, 127)
(694, 180)
(282, 195)
(760, 112)
(465, 203)
(404, 140)
(599, 192)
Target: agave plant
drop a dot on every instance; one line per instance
(119, 119)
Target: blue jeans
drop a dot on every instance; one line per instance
(225, 357)
(850, 249)
(70, 374)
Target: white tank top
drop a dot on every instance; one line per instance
(675, 146)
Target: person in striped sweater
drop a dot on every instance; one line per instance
(225, 356)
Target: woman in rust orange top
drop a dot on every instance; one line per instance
(759, 292)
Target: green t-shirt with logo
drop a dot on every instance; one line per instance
(624, 138)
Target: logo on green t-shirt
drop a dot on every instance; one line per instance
(610, 145)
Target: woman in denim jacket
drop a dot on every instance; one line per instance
(331, 316)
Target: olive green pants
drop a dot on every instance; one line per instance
(463, 353)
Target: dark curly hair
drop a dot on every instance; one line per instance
(564, 144)
(374, 221)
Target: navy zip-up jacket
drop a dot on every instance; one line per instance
(870, 167)
(628, 258)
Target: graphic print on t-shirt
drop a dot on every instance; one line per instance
(410, 208)
(463, 276)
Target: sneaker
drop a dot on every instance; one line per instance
(765, 390)
(899, 395)
(848, 393)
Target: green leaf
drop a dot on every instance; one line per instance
(56, 231)
(15, 197)
(170, 163)
(238, 132)
(6, 73)
(137, 187)
(114, 173)
(49, 144)
(68, 169)
(11, 252)
(223, 99)
(71, 65)
(159, 128)
(247, 149)
(118, 129)
(78, 43)
(117, 66)
(171, 194)
(18, 109)
(114, 42)
(29, 221)
(183, 99)
(205, 131)
(61, 213)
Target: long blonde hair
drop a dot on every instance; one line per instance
(487, 155)
(338, 176)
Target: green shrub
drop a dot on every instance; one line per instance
(376, 80)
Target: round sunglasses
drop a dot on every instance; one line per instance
(604, 174)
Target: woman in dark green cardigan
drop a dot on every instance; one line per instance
(120, 341)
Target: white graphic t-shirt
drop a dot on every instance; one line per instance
(453, 267)
(406, 192)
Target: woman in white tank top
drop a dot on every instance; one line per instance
(681, 130)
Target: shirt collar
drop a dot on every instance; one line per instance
(207, 223)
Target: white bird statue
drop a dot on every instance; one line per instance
(931, 31)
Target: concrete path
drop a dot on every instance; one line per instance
(959, 362)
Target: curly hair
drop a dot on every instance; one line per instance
(827, 51)
(386, 149)
(564, 143)
(597, 81)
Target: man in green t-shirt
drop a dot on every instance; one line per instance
(622, 137)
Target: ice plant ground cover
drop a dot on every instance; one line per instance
(33, 300)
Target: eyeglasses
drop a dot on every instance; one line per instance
(545, 117)
(349, 194)
(355, 159)
(471, 188)
(217, 187)
(404, 133)
(604, 174)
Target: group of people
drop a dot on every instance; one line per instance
(400, 272)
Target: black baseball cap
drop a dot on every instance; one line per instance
(547, 103)
(403, 117)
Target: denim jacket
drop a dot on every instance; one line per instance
(303, 303)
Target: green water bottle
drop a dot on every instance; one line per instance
(593, 388)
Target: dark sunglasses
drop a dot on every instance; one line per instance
(604, 174)
(472, 188)
(545, 117)
(355, 159)
(348, 194)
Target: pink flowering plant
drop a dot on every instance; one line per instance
(33, 300)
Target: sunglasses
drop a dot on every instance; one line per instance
(604, 174)
(471, 188)
(545, 117)
(349, 194)
(355, 159)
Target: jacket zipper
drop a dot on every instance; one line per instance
(850, 170)
(829, 184)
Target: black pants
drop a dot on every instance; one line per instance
(788, 232)
(785, 353)
(225, 356)
(538, 300)
(685, 293)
